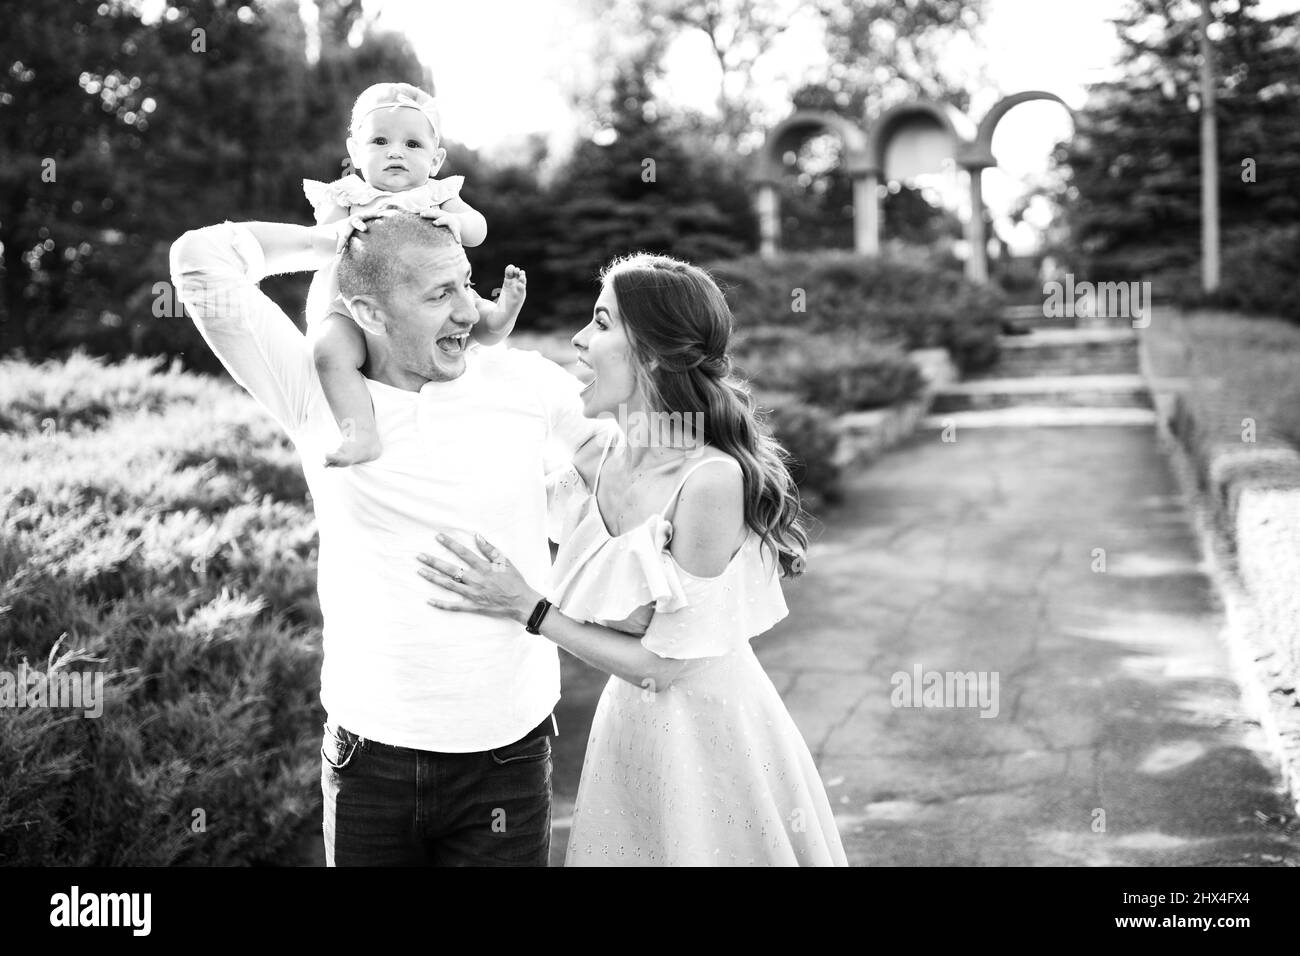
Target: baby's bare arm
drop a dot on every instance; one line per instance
(470, 222)
(337, 342)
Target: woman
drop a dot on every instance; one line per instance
(671, 550)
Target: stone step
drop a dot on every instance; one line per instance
(1038, 416)
(1025, 313)
(1066, 352)
(1032, 317)
(1068, 391)
(1080, 337)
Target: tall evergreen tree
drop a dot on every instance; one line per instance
(638, 186)
(1131, 189)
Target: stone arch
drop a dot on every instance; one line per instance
(978, 156)
(917, 114)
(789, 133)
(799, 126)
(980, 150)
(866, 152)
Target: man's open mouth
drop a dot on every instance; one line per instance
(454, 344)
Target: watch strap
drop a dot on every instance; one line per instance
(535, 619)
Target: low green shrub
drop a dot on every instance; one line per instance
(836, 371)
(810, 436)
(1257, 273)
(899, 299)
(84, 392)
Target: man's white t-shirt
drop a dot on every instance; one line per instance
(463, 457)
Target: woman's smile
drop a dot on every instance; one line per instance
(590, 378)
(604, 349)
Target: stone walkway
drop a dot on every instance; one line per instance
(1119, 736)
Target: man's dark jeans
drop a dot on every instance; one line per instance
(393, 806)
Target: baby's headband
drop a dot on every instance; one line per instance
(429, 109)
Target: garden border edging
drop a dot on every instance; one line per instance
(1250, 497)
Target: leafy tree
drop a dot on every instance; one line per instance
(637, 187)
(1131, 190)
(120, 133)
(884, 52)
(880, 51)
(71, 106)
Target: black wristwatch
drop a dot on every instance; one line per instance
(534, 625)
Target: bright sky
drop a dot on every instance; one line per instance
(1059, 47)
(504, 69)
(501, 66)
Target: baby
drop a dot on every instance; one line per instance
(395, 152)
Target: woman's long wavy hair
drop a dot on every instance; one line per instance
(679, 325)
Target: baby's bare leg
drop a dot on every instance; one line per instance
(339, 350)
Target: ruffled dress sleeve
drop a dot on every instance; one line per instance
(328, 198)
(354, 195)
(719, 613)
(433, 193)
(441, 190)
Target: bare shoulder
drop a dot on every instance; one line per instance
(715, 475)
(709, 519)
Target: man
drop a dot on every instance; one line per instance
(436, 750)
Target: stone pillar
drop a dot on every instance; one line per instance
(866, 213)
(977, 266)
(768, 208)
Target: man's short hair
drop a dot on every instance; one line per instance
(372, 264)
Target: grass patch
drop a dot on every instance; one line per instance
(1238, 370)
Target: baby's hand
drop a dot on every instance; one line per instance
(335, 235)
(441, 217)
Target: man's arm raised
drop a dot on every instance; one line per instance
(215, 271)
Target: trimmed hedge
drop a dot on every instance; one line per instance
(820, 334)
(810, 436)
(1257, 275)
(837, 371)
(909, 301)
(1257, 272)
(83, 391)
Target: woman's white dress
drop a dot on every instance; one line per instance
(712, 769)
